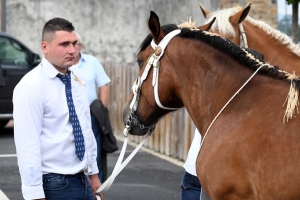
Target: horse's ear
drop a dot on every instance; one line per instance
(239, 17)
(204, 11)
(154, 25)
(207, 26)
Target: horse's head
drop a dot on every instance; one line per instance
(146, 104)
(229, 23)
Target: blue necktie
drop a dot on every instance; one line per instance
(79, 140)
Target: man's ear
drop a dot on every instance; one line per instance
(45, 47)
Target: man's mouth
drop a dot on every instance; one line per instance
(70, 58)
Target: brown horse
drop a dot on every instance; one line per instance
(235, 25)
(249, 152)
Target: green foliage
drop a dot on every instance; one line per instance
(292, 1)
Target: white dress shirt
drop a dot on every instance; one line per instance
(43, 133)
(190, 163)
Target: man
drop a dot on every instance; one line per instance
(95, 79)
(190, 185)
(56, 148)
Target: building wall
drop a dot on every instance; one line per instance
(265, 10)
(111, 30)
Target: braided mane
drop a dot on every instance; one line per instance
(239, 54)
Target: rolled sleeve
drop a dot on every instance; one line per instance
(93, 168)
(32, 192)
(92, 155)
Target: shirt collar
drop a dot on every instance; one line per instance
(51, 71)
(81, 60)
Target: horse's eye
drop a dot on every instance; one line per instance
(139, 62)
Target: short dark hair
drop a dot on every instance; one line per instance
(56, 24)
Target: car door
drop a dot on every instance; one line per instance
(15, 62)
(1, 78)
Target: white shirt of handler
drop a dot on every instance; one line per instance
(43, 133)
(190, 163)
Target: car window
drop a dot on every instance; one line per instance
(12, 53)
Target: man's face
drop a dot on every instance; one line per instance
(60, 51)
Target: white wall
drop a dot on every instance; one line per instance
(110, 30)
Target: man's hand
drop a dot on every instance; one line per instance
(95, 184)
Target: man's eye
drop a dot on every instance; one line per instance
(64, 44)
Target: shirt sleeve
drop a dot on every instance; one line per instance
(28, 113)
(92, 162)
(92, 147)
(101, 76)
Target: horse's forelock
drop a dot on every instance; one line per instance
(222, 23)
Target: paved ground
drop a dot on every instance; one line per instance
(146, 177)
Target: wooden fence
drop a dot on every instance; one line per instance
(173, 133)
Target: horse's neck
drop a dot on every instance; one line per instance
(210, 85)
(274, 51)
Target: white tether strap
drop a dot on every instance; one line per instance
(119, 166)
(229, 102)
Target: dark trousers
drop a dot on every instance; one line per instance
(101, 156)
(67, 187)
(104, 166)
(190, 187)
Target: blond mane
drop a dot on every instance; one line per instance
(224, 27)
(188, 24)
(281, 37)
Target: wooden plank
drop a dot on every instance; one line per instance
(157, 137)
(162, 136)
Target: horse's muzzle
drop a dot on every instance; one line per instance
(132, 124)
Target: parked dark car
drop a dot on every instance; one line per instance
(1, 78)
(16, 59)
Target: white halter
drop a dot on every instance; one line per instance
(152, 60)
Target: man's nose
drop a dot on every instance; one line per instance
(72, 49)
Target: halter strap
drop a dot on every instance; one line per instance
(164, 42)
(153, 60)
(243, 36)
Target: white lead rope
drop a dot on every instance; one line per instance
(152, 61)
(119, 165)
(229, 102)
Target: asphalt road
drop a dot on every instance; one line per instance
(146, 177)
